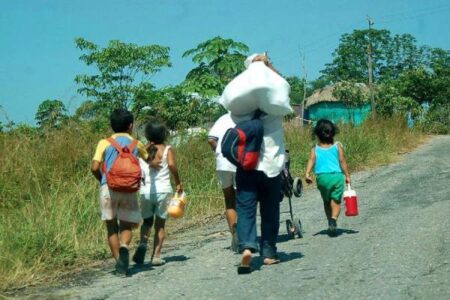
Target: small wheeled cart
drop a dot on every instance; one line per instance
(291, 187)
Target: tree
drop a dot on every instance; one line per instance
(351, 93)
(417, 84)
(88, 110)
(319, 83)
(177, 109)
(122, 68)
(402, 55)
(93, 114)
(426, 82)
(350, 58)
(219, 61)
(390, 56)
(391, 102)
(439, 63)
(297, 89)
(51, 114)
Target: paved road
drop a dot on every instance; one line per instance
(397, 248)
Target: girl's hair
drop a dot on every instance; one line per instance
(156, 131)
(325, 130)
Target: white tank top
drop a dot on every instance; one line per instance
(156, 181)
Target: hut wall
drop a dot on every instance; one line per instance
(338, 112)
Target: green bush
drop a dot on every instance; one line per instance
(437, 120)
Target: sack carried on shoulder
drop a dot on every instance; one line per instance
(241, 145)
(125, 172)
(258, 87)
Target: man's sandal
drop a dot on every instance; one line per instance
(244, 270)
(271, 260)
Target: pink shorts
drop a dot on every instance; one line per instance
(123, 206)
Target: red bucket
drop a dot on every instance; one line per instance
(351, 202)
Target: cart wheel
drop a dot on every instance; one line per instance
(298, 228)
(290, 229)
(298, 187)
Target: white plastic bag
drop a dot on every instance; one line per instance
(257, 87)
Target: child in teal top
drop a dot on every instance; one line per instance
(330, 167)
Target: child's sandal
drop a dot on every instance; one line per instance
(158, 261)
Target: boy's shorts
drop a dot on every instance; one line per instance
(123, 206)
(331, 186)
(154, 204)
(227, 178)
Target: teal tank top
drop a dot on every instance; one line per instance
(327, 160)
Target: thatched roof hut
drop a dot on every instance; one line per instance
(323, 105)
(326, 94)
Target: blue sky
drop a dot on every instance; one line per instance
(38, 58)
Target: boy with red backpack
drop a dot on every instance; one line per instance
(115, 165)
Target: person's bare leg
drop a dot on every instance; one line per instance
(126, 232)
(159, 237)
(230, 206)
(327, 209)
(112, 229)
(145, 230)
(335, 209)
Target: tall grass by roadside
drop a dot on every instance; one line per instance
(48, 198)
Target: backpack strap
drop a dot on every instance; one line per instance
(116, 145)
(113, 143)
(119, 148)
(132, 145)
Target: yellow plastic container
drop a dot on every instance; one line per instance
(177, 205)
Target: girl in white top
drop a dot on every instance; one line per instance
(156, 190)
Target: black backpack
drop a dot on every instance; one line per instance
(241, 145)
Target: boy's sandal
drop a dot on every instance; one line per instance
(158, 261)
(139, 255)
(244, 270)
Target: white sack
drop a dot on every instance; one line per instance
(257, 87)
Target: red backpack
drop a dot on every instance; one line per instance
(125, 173)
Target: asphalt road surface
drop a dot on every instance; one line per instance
(397, 248)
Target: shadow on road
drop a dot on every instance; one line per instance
(282, 238)
(148, 266)
(258, 261)
(289, 256)
(139, 268)
(174, 258)
(339, 232)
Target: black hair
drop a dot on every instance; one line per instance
(156, 131)
(121, 119)
(325, 130)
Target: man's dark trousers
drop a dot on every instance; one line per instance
(252, 187)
